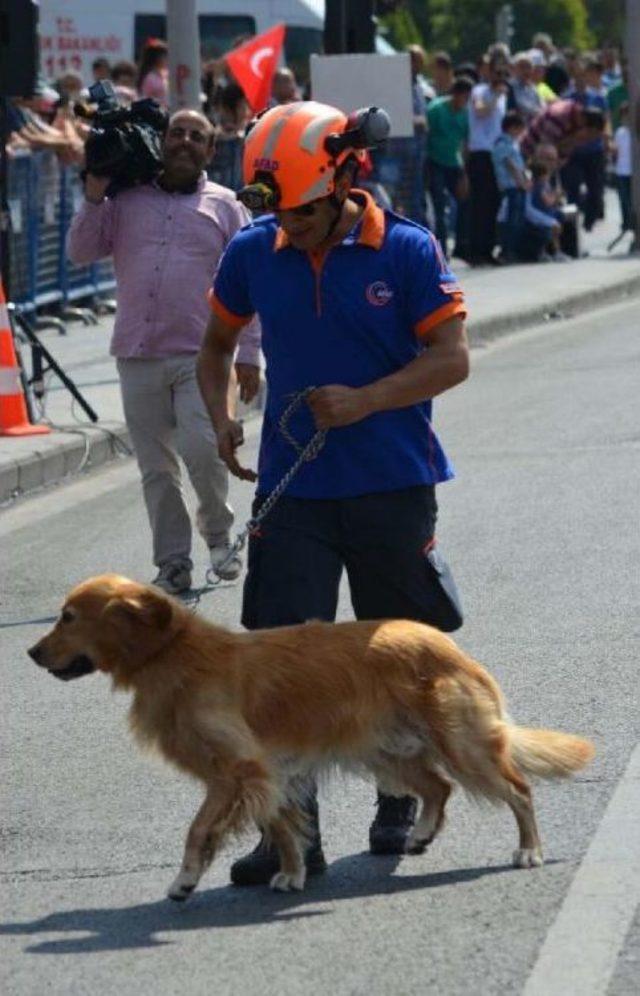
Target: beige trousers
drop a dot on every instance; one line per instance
(166, 417)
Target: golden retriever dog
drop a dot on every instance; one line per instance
(246, 712)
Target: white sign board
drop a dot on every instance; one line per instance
(72, 39)
(352, 81)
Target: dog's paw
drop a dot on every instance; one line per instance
(181, 888)
(284, 882)
(527, 857)
(417, 845)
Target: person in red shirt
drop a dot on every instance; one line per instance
(565, 124)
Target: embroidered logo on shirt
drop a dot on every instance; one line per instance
(378, 293)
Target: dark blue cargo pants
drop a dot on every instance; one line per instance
(386, 544)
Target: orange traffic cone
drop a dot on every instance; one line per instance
(14, 420)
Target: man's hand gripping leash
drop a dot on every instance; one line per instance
(233, 436)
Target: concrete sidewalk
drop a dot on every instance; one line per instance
(504, 299)
(500, 300)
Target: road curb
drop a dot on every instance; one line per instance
(66, 460)
(488, 329)
(69, 457)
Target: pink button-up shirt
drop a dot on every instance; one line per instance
(166, 248)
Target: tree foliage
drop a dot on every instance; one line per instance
(466, 27)
(606, 20)
(401, 28)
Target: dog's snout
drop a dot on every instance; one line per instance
(35, 653)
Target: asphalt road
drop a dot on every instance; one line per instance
(541, 528)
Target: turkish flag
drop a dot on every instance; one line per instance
(254, 63)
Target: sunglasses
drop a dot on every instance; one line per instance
(304, 211)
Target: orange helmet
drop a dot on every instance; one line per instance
(287, 154)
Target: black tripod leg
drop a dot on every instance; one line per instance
(37, 372)
(52, 365)
(613, 244)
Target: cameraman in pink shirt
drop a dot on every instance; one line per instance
(166, 239)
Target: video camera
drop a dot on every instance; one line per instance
(125, 143)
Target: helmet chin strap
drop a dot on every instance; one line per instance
(335, 201)
(337, 206)
(337, 211)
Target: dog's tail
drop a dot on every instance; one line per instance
(548, 753)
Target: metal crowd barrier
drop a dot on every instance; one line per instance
(43, 196)
(226, 166)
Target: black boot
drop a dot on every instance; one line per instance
(394, 821)
(259, 867)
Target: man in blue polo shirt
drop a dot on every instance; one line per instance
(360, 304)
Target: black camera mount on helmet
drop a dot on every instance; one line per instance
(366, 128)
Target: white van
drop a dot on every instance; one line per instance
(75, 32)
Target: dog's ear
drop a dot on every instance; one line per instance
(146, 606)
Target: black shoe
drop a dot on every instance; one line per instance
(259, 867)
(394, 821)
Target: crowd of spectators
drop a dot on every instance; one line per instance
(507, 153)
(518, 149)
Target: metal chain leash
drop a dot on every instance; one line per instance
(305, 453)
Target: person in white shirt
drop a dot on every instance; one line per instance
(487, 108)
(527, 99)
(622, 153)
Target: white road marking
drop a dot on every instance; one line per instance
(580, 951)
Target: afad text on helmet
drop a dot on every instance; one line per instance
(268, 165)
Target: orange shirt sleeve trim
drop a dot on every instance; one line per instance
(228, 317)
(448, 310)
